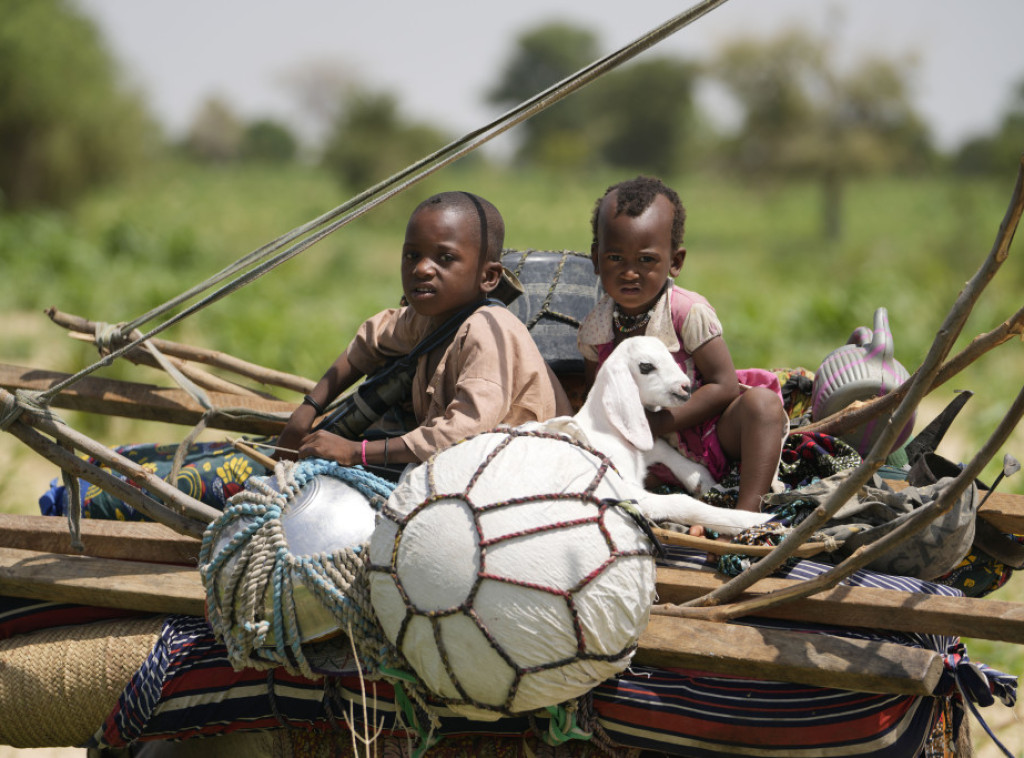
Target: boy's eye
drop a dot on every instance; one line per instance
(646, 368)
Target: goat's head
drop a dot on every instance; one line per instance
(658, 378)
(640, 373)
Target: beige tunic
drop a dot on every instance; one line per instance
(491, 373)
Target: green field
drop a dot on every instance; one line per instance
(785, 295)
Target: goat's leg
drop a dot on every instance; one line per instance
(683, 509)
(695, 477)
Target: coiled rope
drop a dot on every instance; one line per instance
(265, 567)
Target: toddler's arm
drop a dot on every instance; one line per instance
(719, 389)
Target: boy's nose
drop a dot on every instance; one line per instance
(424, 268)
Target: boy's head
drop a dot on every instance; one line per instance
(638, 230)
(451, 257)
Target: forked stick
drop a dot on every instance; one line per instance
(917, 387)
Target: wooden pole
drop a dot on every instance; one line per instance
(146, 401)
(180, 512)
(861, 607)
(816, 659)
(109, 583)
(102, 538)
(214, 358)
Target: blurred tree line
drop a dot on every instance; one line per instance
(68, 122)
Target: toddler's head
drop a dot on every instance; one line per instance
(635, 196)
(636, 250)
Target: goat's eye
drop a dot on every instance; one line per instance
(646, 368)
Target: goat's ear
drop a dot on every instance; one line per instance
(621, 400)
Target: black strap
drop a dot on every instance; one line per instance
(358, 410)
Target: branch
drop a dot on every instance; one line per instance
(917, 521)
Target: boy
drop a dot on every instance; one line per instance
(731, 415)
(489, 373)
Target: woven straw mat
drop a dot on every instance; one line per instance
(58, 685)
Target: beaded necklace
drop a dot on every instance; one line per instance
(625, 323)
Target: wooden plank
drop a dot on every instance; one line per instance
(867, 607)
(1005, 511)
(146, 401)
(124, 540)
(137, 586)
(814, 659)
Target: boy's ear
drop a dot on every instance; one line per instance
(677, 262)
(490, 276)
(593, 257)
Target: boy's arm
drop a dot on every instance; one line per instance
(339, 377)
(720, 387)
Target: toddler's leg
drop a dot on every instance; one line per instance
(751, 430)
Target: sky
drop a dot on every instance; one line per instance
(440, 57)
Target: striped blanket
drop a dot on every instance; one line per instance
(187, 688)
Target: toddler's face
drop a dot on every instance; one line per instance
(441, 267)
(634, 255)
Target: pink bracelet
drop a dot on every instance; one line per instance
(364, 452)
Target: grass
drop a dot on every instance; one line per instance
(787, 297)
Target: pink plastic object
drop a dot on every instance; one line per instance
(861, 369)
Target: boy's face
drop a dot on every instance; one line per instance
(442, 270)
(634, 255)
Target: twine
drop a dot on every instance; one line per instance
(409, 685)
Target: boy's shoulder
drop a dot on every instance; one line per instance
(500, 318)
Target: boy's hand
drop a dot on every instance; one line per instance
(298, 426)
(321, 444)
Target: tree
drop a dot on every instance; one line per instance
(635, 117)
(67, 123)
(216, 133)
(268, 141)
(370, 141)
(647, 111)
(999, 152)
(543, 57)
(803, 117)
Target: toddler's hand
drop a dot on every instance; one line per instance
(661, 422)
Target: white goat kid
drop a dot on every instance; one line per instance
(641, 373)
